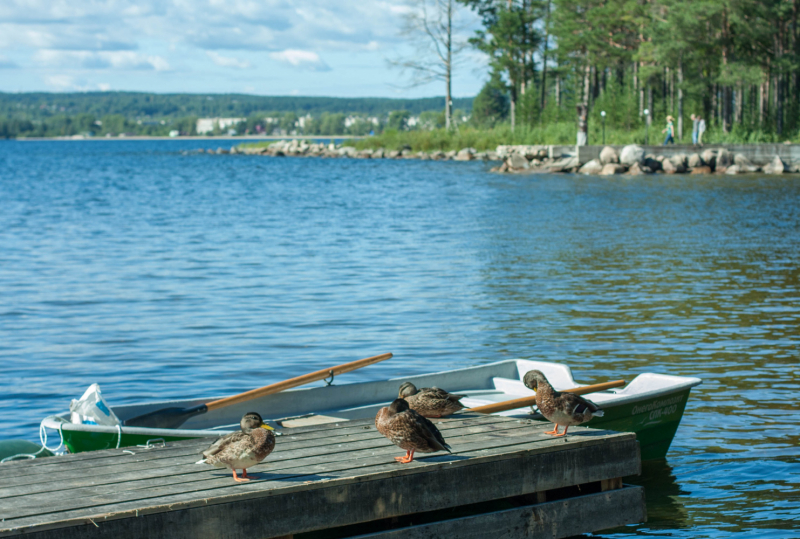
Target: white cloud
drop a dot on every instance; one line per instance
(302, 59)
(100, 60)
(225, 61)
(68, 83)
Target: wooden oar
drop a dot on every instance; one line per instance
(530, 401)
(172, 418)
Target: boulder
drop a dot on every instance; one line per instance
(380, 153)
(744, 164)
(567, 164)
(709, 158)
(492, 156)
(613, 168)
(733, 169)
(517, 161)
(464, 155)
(422, 156)
(705, 169)
(653, 164)
(608, 155)
(592, 167)
(694, 161)
(631, 154)
(393, 154)
(668, 166)
(776, 166)
(724, 158)
(450, 155)
(679, 161)
(437, 155)
(637, 169)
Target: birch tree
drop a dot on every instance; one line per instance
(431, 27)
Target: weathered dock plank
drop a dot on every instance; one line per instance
(317, 478)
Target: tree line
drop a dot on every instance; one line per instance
(736, 63)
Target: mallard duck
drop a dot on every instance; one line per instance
(560, 408)
(408, 430)
(430, 401)
(242, 449)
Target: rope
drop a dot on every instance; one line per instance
(43, 440)
(119, 435)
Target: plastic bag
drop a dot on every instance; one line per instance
(92, 409)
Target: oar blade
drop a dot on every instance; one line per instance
(166, 418)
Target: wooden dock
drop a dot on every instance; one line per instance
(505, 479)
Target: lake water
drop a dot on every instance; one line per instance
(165, 275)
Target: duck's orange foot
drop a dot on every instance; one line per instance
(242, 479)
(554, 432)
(408, 457)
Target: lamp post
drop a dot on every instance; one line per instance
(646, 124)
(603, 114)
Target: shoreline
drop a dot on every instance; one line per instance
(595, 160)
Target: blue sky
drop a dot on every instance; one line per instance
(265, 47)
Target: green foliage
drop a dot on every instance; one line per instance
(398, 120)
(490, 106)
(135, 105)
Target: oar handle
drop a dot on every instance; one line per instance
(294, 382)
(530, 401)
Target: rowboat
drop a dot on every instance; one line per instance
(651, 405)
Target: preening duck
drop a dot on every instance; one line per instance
(430, 401)
(560, 408)
(408, 430)
(242, 449)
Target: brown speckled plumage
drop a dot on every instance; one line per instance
(430, 401)
(242, 449)
(409, 430)
(560, 408)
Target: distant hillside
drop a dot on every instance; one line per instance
(134, 105)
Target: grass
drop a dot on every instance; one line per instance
(553, 133)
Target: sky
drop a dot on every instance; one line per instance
(264, 47)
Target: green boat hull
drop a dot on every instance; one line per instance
(80, 441)
(655, 422)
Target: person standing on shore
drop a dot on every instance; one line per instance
(670, 131)
(695, 124)
(701, 128)
(583, 125)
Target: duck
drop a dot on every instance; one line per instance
(430, 401)
(560, 408)
(242, 449)
(409, 430)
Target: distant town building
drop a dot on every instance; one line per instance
(301, 122)
(207, 125)
(174, 133)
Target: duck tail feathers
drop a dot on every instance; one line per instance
(201, 461)
(597, 413)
